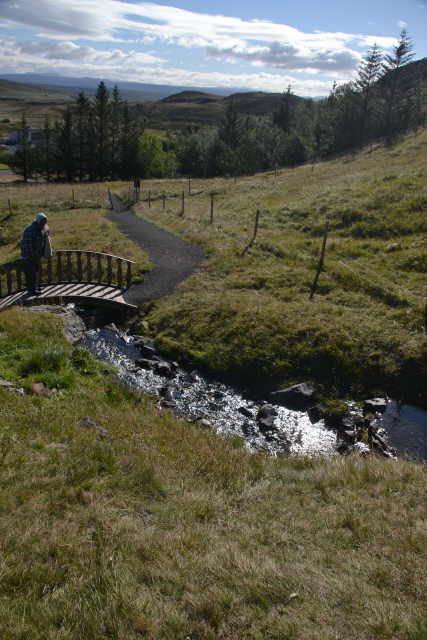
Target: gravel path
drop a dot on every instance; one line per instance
(173, 259)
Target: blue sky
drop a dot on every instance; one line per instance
(240, 44)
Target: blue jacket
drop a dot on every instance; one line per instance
(32, 242)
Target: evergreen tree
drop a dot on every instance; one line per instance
(66, 146)
(393, 82)
(24, 160)
(83, 134)
(283, 116)
(369, 73)
(101, 121)
(115, 122)
(230, 128)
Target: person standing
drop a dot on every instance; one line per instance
(35, 244)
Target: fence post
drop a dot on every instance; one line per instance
(212, 209)
(74, 200)
(189, 185)
(182, 204)
(251, 242)
(149, 198)
(164, 201)
(321, 262)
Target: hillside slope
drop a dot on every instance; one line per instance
(137, 525)
(250, 318)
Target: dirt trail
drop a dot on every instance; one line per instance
(172, 258)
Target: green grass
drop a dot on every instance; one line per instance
(3, 166)
(250, 318)
(161, 530)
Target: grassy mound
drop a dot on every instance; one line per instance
(250, 318)
(161, 530)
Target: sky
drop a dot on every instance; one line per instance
(239, 44)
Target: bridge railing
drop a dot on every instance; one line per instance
(70, 266)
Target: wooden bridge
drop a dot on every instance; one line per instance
(70, 276)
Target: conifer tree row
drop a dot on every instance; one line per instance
(96, 139)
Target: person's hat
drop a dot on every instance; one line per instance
(41, 217)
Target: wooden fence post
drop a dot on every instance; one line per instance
(74, 200)
(189, 185)
(149, 198)
(321, 262)
(251, 242)
(212, 209)
(182, 204)
(164, 201)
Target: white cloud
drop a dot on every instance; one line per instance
(119, 66)
(402, 24)
(255, 41)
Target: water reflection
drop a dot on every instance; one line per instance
(406, 426)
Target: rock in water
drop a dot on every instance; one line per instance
(265, 417)
(375, 405)
(298, 397)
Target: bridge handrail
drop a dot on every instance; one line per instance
(91, 267)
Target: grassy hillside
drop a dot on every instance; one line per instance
(158, 529)
(250, 317)
(34, 102)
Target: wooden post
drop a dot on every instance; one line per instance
(79, 266)
(109, 270)
(69, 268)
(74, 200)
(59, 266)
(119, 273)
(49, 270)
(98, 268)
(19, 276)
(212, 209)
(9, 281)
(164, 201)
(254, 234)
(189, 185)
(275, 171)
(182, 204)
(89, 267)
(149, 198)
(321, 262)
(129, 274)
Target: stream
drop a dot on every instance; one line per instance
(212, 404)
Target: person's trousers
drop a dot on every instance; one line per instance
(31, 269)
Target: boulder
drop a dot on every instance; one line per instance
(298, 397)
(40, 389)
(203, 422)
(245, 412)
(375, 405)
(145, 363)
(4, 384)
(316, 413)
(89, 423)
(163, 368)
(266, 416)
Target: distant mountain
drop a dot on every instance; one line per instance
(130, 90)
